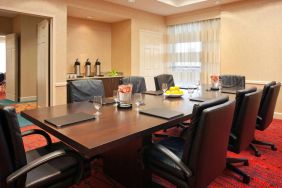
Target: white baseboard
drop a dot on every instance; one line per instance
(28, 99)
(277, 115)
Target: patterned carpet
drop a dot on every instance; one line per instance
(265, 171)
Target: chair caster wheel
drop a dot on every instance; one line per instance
(246, 179)
(274, 148)
(257, 154)
(246, 163)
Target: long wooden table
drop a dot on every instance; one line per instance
(117, 135)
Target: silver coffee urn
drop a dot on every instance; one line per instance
(87, 68)
(97, 68)
(77, 68)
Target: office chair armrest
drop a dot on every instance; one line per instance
(40, 132)
(259, 118)
(232, 136)
(44, 159)
(174, 158)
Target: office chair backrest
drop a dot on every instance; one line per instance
(138, 83)
(228, 81)
(12, 155)
(267, 108)
(264, 92)
(163, 78)
(84, 90)
(207, 155)
(244, 121)
(2, 77)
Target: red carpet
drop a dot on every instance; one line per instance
(265, 171)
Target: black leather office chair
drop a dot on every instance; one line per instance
(84, 90)
(138, 83)
(53, 165)
(163, 78)
(232, 81)
(266, 112)
(3, 82)
(199, 155)
(243, 127)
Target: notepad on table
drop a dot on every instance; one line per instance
(70, 119)
(162, 113)
(159, 92)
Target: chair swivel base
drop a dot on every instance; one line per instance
(257, 152)
(230, 166)
(272, 146)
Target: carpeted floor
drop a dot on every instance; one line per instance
(265, 171)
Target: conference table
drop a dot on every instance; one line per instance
(116, 135)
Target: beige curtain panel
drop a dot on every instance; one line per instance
(193, 51)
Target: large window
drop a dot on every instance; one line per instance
(2, 54)
(193, 51)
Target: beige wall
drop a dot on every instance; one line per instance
(251, 40)
(6, 25)
(140, 20)
(121, 47)
(88, 39)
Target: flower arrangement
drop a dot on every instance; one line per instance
(124, 93)
(215, 81)
(214, 78)
(125, 88)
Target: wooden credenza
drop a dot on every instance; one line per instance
(110, 83)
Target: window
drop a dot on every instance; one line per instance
(193, 51)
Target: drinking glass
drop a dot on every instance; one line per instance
(164, 88)
(115, 96)
(138, 99)
(97, 102)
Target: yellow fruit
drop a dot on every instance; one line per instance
(172, 88)
(176, 87)
(167, 92)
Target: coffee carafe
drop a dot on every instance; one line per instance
(87, 68)
(97, 68)
(77, 67)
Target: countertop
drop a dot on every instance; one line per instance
(93, 77)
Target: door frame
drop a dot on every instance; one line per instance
(52, 23)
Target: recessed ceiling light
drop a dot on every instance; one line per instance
(89, 17)
(131, 1)
(180, 3)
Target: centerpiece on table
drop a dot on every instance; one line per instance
(215, 82)
(124, 96)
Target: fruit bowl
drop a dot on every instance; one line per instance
(173, 95)
(174, 91)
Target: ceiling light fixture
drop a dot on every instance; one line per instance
(180, 3)
(131, 1)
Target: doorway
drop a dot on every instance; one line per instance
(25, 61)
(2, 67)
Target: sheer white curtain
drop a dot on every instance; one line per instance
(193, 51)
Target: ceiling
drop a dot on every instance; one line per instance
(94, 14)
(163, 9)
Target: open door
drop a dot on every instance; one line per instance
(43, 64)
(12, 87)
